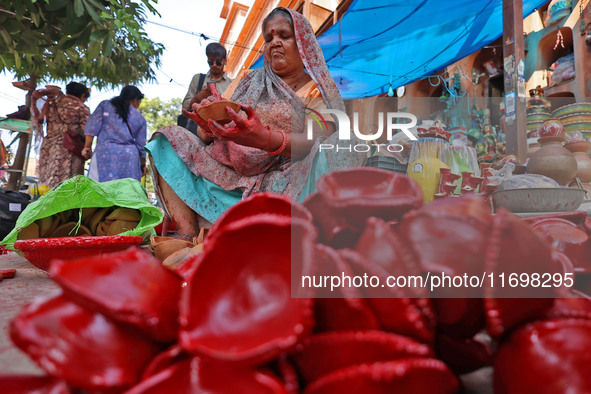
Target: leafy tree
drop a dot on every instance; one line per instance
(100, 41)
(160, 113)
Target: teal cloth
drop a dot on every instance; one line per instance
(319, 168)
(202, 196)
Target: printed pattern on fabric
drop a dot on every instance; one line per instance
(56, 163)
(116, 153)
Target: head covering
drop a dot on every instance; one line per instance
(313, 59)
(276, 104)
(263, 87)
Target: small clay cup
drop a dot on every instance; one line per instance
(217, 111)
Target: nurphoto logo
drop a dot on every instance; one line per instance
(357, 145)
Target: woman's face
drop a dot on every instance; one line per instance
(135, 103)
(281, 48)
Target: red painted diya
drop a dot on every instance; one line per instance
(259, 203)
(359, 193)
(13, 384)
(569, 238)
(325, 353)
(79, 346)
(406, 375)
(238, 305)
(196, 375)
(131, 287)
(556, 353)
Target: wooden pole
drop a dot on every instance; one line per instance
(513, 64)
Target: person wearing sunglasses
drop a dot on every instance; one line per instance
(199, 87)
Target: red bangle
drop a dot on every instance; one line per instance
(283, 144)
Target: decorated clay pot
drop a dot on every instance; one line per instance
(551, 128)
(553, 160)
(579, 150)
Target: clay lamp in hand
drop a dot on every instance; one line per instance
(216, 110)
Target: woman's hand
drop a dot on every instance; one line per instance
(86, 153)
(194, 116)
(247, 132)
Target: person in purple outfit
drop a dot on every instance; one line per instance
(121, 135)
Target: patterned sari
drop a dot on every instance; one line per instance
(56, 163)
(244, 170)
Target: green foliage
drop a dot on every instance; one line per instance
(99, 41)
(160, 113)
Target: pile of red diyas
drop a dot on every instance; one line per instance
(235, 318)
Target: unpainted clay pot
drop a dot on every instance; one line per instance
(553, 160)
(579, 150)
(162, 247)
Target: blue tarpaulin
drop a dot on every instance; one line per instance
(383, 43)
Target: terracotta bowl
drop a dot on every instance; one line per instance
(578, 146)
(217, 111)
(41, 251)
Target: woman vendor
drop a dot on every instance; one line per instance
(267, 149)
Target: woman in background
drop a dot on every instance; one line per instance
(62, 112)
(121, 135)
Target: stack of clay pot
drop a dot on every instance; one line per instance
(552, 159)
(575, 118)
(538, 111)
